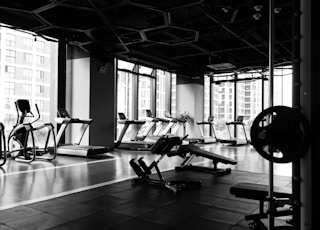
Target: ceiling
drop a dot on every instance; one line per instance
(190, 37)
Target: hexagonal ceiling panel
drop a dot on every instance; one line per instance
(72, 17)
(172, 35)
(135, 17)
(186, 35)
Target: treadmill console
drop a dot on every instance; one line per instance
(210, 118)
(240, 119)
(63, 113)
(122, 116)
(149, 113)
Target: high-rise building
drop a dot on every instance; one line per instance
(28, 70)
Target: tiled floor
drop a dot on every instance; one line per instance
(79, 193)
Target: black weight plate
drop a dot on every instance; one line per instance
(280, 134)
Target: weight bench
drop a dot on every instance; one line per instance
(164, 146)
(260, 192)
(190, 151)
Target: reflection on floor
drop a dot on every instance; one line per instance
(66, 180)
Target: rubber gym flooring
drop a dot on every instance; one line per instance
(122, 205)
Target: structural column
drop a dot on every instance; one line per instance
(309, 103)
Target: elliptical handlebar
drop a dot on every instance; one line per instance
(38, 112)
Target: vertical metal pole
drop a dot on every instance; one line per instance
(235, 105)
(262, 92)
(271, 67)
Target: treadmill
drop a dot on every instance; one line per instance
(75, 149)
(236, 141)
(160, 123)
(206, 139)
(174, 125)
(136, 142)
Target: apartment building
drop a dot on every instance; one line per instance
(28, 70)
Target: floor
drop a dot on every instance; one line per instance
(82, 193)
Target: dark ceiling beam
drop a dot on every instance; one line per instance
(165, 60)
(44, 8)
(203, 51)
(193, 45)
(224, 26)
(76, 7)
(14, 9)
(106, 22)
(115, 5)
(189, 55)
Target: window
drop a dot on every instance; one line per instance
(125, 97)
(125, 94)
(145, 95)
(40, 89)
(11, 40)
(9, 88)
(10, 56)
(27, 57)
(140, 88)
(23, 83)
(8, 103)
(39, 104)
(206, 106)
(40, 59)
(250, 97)
(145, 70)
(40, 45)
(163, 92)
(27, 72)
(10, 71)
(27, 42)
(9, 119)
(125, 65)
(27, 88)
(40, 74)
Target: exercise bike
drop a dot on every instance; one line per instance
(22, 138)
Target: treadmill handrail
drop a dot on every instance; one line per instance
(67, 120)
(205, 122)
(138, 122)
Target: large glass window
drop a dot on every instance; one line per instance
(251, 91)
(145, 95)
(140, 88)
(163, 93)
(125, 93)
(222, 107)
(19, 78)
(283, 86)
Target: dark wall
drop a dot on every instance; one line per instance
(184, 80)
(102, 103)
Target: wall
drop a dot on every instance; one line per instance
(90, 94)
(190, 99)
(78, 95)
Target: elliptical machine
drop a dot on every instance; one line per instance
(21, 141)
